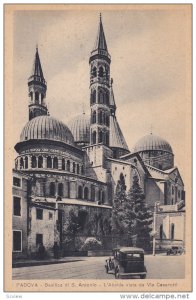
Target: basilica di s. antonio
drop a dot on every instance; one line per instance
(74, 168)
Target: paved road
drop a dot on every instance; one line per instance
(158, 267)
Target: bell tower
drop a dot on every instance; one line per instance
(100, 90)
(37, 90)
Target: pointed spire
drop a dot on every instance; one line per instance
(100, 43)
(37, 68)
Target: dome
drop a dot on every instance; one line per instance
(46, 128)
(152, 142)
(80, 128)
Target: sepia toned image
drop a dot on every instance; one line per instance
(98, 148)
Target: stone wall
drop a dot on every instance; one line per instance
(166, 220)
(46, 227)
(20, 222)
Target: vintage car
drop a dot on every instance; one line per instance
(127, 262)
(174, 250)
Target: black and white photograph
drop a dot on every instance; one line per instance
(98, 120)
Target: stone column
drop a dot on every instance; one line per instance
(40, 98)
(44, 162)
(73, 189)
(59, 163)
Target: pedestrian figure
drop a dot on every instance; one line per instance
(56, 250)
(41, 251)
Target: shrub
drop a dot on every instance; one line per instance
(91, 243)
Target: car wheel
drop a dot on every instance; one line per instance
(143, 276)
(117, 273)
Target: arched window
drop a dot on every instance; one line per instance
(36, 97)
(107, 139)
(31, 95)
(21, 163)
(74, 167)
(42, 97)
(26, 162)
(93, 97)
(161, 231)
(100, 136)
(94, 117)
(78, 169)
(101, 71)
(107, 121)
(103, 116)
(101, 97)
(40, 162)
(68, 166)
(100, 117)
(49, 162)
(68, 189)
(94, 72)
(60, 189)
(55, 163)
(103, 197)
(172, 231)
(107, 98)
(63, 164)
(34, 162)
(99, 195)
(52, 189)
(80, 192)
(82, 170)
(92, 193)
(94, 137)
(86, 193)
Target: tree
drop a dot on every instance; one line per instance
(141, 216)
(117, 218)
(72, 227)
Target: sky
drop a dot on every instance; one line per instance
(150, 68)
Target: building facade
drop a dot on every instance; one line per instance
(72, 170)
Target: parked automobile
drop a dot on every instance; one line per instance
(127, 262)
(174, 250)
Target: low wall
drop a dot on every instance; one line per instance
(100, 253)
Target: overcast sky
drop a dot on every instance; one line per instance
(149, 68)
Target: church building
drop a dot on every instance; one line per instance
(63, 170)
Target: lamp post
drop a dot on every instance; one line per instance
(154, 227)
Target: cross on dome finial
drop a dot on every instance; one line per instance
(151, 129)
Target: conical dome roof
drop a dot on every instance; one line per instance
(48, 128)
(117, 139)
(80, 128)
(152, 142)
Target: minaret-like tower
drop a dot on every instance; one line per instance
(100, 90)
(37, 90)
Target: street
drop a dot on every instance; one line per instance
(158, 267)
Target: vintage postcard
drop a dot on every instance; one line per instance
(98, 157)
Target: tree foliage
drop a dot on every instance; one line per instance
(130, 214)
(142, 217)
(117, 219)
